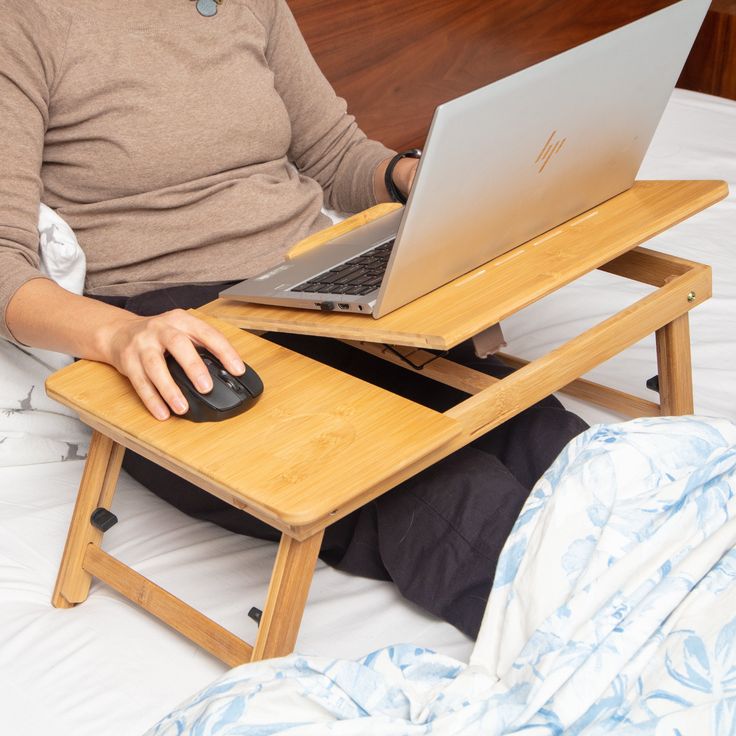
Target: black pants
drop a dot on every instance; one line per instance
(437, 535)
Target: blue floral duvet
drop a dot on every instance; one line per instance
(613, 611)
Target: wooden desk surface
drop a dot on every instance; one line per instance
(489, 294)
(318, 443)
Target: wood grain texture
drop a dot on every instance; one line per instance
(711, 66)
(674, 367)
(438, 369)
(315, 442)
(394, 62)
(577, 356)
(473, 382)
(621, 402)
(340, 228)
(287, 596)
(647, 266)
(470, 304)
(97, 488)
(197, 627)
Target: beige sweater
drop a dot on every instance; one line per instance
(166, 139)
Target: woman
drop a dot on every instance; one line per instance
(188, 148)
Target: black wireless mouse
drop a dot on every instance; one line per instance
(230, 395)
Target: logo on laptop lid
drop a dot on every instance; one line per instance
(550, 148)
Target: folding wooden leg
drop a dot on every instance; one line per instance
(287, 596)
(96, 490)
(674, 367)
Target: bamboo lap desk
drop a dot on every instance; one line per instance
(322, 443)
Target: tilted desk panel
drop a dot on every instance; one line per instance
(487, 295)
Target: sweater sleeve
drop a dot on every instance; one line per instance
(327, 145)
(32, 41)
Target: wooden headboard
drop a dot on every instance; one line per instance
(394, 61)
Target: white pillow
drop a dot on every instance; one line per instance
(34, 428)
(61, 257)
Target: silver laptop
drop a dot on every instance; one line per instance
(501, 165)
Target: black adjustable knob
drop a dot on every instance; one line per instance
(103, 519)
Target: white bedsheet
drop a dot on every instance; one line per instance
(106, 667)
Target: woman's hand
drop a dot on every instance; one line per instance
(136, 346)
(44, 315)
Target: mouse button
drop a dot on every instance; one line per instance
(226, 383)
(251, 381)
(222, 397)
(230, 380)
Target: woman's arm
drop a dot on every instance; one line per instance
(36, 311)
(403, 176)
(44, 315)
(326, 143)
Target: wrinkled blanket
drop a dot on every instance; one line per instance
(613, 610)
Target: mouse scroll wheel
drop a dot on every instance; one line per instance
(227, 379)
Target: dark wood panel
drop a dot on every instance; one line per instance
(395, 61)
(711, 66)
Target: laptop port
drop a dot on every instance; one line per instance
(343, 306)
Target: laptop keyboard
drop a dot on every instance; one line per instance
(358, 276)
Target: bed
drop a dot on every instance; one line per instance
(105, 667)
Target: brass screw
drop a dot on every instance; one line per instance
(691, 296)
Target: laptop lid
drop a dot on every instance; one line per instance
(507, 162)
(513, 159)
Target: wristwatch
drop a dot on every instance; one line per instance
(393, 191)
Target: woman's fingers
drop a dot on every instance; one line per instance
(146, 390)
(144, 345)
(182, 349)
(212, 339)
(157, 372)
